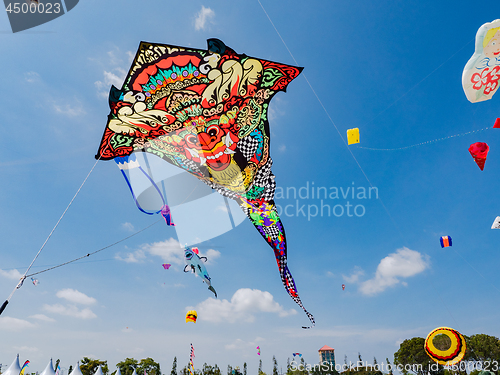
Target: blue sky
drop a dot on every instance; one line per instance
(393, 69)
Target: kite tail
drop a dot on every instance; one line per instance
(265, 218)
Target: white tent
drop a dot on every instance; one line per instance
(14, 368)
(118, 372)
(98, 371)
(76, 370)
(49, 370)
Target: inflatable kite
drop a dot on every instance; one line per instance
(166, 265)
(191, 316)
(343, 286)
(453, 354)
(482, 71)
(299, 354)
(445, 241)
(258, 350)
(206, 112)
(352, 136)
(496, 125)
(479, 151)
(496, 223)
(195, 264)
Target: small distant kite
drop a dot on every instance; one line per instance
(496, 223)
(445, 241)
(191, 316)
(352, 136)
(343, 286)
(450, 356)
(481, 73)
(258, 350)
(299, 354)
(479, 151)
(35, 281)
(166, 265)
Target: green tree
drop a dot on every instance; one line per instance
(149, 366)
(229, 370)
(412, 357)
(174, 367)
(275, 366)
(70, 370)
(57, 364)
(389, 367)
(127, 366)
(483, 348)
(217, 370)
(244, 368)
(260, 367)
(89, 366)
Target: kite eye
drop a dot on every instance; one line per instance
(213, 131)
(191, 138)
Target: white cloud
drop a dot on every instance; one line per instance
(355, 275)
(11, 274)
(211, 255)
(135, 257)
(31, 77)
(114, 71)
(13, 324)
(169, 250)
(73, 295)
(242, 307)
(70, 311)
(72, 110)
(401, 264)
(26, 349)
(128, 227)
(42, 317)
(205, 14)
(242, 345)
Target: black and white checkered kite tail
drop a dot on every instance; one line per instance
(289, 283)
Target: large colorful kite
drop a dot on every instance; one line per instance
(482, 73)
(206, 112)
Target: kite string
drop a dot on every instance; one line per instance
(331, 120)
(111, 245)
(51, 232)
(95, 252)
(427, 142)
(343, 140)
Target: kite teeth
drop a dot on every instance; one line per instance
(203, 161)
(227, 140)
(229, 151)
(194, 153)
